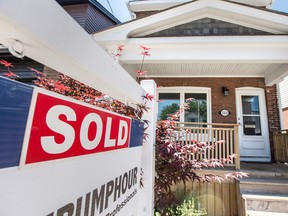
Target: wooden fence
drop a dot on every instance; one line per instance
(218, 199)
(222, 138)
(281, 146)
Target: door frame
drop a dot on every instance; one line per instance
(263, 119)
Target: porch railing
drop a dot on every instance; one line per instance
(222, 138)
(281, 146)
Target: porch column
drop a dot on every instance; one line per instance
(146, 201)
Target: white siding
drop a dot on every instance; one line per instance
(284, 93)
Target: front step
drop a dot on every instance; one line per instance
(261, 205)
(264, 186)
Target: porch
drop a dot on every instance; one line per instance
(222, 140)
(264, 192)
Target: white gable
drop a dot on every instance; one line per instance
(250, 17)
(156, 5)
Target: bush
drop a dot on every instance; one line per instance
(190, 206)
(172, 166)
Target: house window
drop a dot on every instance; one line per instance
(198, 100)
(251, 115)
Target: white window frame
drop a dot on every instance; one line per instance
(183, 90)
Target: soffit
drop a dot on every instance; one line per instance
(208, 69)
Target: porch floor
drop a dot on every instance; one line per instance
(265, 169)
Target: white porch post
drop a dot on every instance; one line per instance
(146, 202)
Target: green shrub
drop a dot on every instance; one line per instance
(190, 206)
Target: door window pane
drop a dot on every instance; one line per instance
(252, 125)
(251, 115)
(168, 104)
(250, 105)
(197, 111)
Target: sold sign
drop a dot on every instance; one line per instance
(62, 128)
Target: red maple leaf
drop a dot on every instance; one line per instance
(145, 53)
(61, 87)
(10, 74)
(5, 63)
(120, 47)
(36, 71)
(141, 72)
(144, 48)
(149, 96)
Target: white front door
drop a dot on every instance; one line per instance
(253, 131)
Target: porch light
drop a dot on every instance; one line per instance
(225, 91)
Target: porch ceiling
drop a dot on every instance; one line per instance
(245, 56)
(209, 69)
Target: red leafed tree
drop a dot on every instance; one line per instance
(67, 86)
(172, 165)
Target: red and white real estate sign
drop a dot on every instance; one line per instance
(76, 160)
(63, 129)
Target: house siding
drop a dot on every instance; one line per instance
(145, 13)
(89, 17)
(77, 12)
(207, 27)
(96, 20)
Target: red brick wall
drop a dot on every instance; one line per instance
(218, 101)
(273, 114)
(272, 108)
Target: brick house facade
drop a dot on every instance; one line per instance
(212, 45)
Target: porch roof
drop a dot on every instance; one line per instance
(205, 56)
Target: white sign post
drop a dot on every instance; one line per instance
(146, 205)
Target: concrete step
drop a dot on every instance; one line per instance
(267, 175)
(262, 205)
(276, 186)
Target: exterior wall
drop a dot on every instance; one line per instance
(77, 12)
(145, 13)
(273, 115)
(219, 101)
(89, 17)
(272, 108)
(207, 27)
(96, 20)
(285, 118)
